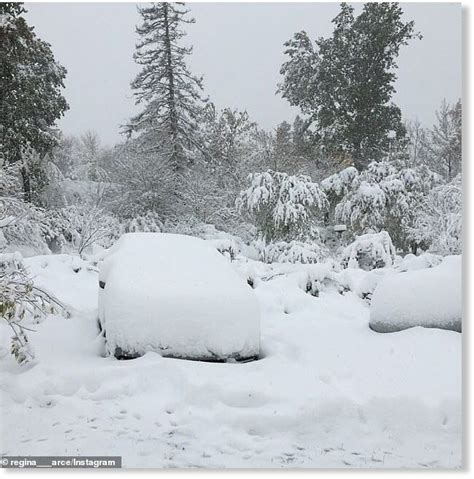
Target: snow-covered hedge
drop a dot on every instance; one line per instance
(369, 251)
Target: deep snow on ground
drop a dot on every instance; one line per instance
(329, 392)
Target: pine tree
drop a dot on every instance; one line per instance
(30, 84)
(170, 93)
(344, 83)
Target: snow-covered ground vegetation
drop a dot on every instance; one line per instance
(325, 252)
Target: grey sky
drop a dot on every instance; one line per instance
(239, 50)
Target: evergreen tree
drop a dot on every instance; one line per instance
(344, 83)
(446, 140)
(30, 84)
(170, 93)
(283, 150)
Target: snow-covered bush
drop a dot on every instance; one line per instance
(321, 277)
(227, 244)
(369, 251)
(282, 207)
(20, 301)
(438, 222)
(385, 196)
(91, 225)
(410, 262)
(150, 222)
(338, 185)
(25, 229)
(290, 252)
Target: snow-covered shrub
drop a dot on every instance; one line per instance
(369, 251)
(438, 223)
(226, 243)
(21, 300)
(25, 231)
(321, 277)
(385, 196)
(20, 221)
(229, 247)
(338, 185)
(282, 207)
(91, 225)
(410, 262)
(150, 222)
(290, 252)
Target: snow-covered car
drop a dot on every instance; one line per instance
(176, 295)
(430, 297)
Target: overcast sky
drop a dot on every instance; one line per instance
(238, 48)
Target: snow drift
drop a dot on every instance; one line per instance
(429, 297)
(176, 295)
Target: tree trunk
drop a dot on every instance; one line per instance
(175, 155)
(25, 176)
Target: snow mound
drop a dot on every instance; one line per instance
(176, 295)
(429, 297)
(411, 262)
(370, 251)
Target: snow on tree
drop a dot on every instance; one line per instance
(226, 135)
(22, 302)
(338, 185)
(145, 181)
(147, 223)
(169, 92)
(282, 207)
(369, 251)
(90, 225)
(438, 222)
(90, 143)
(291, 252)
(417, 146)
(446, 141)
(31, 83)
(382, 197)
(20, 299)
(344, 83)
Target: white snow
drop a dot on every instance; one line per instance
(369, 251)
(328, 392)
(177, 295)
(428, 297)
